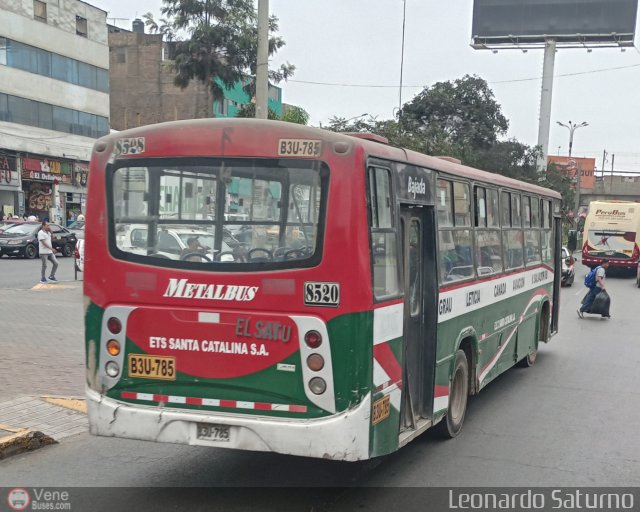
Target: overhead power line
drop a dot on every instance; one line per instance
(516, 80)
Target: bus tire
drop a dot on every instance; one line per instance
(451, 425)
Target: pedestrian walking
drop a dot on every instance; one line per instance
(595, 287)
(47, 253)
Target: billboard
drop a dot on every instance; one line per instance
(573, 23)
(571, 166)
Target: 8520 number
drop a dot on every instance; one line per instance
(322, 294)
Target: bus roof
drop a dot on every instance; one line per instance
(373, 147)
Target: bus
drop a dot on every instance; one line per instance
(610, 233)
(370, 292)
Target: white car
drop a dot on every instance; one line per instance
(78, 257)
(173, 243)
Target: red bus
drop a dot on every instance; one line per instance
(267, 286)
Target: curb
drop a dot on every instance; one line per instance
(23, 441)
(31, 422)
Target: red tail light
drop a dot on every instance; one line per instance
(313, 339)
(76, 253)
(114, 325)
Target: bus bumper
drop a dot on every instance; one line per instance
(343, 436)
(594, 261)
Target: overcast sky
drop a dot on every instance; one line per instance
(347, 57)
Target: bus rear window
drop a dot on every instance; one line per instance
(238, 212)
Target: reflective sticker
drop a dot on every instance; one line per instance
(381, 410)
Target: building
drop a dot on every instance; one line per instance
(142, 89)
(574, 165)
(54, 103)
(236, 97)
(141, 78)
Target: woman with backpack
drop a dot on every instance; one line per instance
(595, 282)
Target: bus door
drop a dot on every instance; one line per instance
(420, 315)
(557, 268)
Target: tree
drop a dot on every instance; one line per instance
(462, 114)
(296, 115)
(164, 28)
(221, 43)
(249, 110)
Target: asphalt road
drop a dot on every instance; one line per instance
(20, 273)
(571, 420)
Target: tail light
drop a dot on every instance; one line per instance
(315, 362)
(113, 347)
(317, 385)
(114, 325)
(313, 339)
(76, 253)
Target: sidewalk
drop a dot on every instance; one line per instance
(41, 354)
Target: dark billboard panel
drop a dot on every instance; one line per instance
(583, 22)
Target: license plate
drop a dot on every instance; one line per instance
(381, 409)
(217, 433)
(144, 366)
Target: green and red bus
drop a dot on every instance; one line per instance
(261, 285)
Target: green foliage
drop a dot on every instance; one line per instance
(296, 115)
(222, 43)
(462, 119)
(462, 114)
(249, 110)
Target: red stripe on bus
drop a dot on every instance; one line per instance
(262, 406)
(160, 398)
(297, 408)
(440, 391)
(228, 403)
(387, 359)
(129, 395)
(194, 401)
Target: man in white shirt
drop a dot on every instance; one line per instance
(47, 253)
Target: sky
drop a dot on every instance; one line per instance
(347, 55)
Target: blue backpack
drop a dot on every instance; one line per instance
(590, 278)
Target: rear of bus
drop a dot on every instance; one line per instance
(610, 233)
(227, 288)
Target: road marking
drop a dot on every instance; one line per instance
(75, 404)
(51, 286)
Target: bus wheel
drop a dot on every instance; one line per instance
(451, 424)
(530, 360)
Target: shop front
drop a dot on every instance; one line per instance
(10, 191)
(54, 189)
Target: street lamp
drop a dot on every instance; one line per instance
(572, 128)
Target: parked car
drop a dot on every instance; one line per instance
(22, 240)
(78, 258)
(172, 242)
(568, 270)
(10, 222)
(77, 228)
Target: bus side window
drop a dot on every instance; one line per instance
(383, 234)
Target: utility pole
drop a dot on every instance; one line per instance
(613, 159)
(604, 159)
(545, 101)
(262, 65)
(404, 16)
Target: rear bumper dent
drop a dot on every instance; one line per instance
(343, 436)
